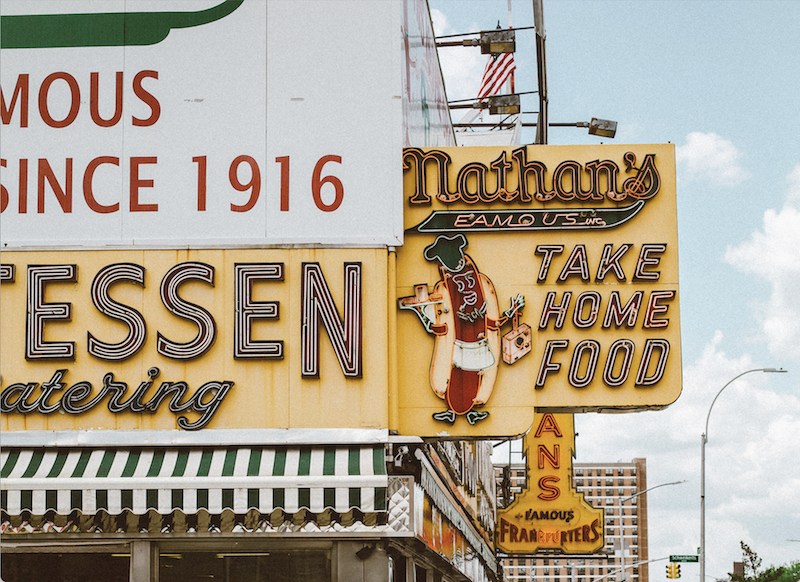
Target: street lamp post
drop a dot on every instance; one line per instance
(703, 441)
(620, 501)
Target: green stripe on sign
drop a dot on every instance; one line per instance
(81, 466)
(151, 497)
(354, 462)
(105, 464)
(61, 459)
(230, 463)
(253, 498)
(205, 464)
(177, 499)
(227, 499)
(329, 461)
(127, 499)
(304, 464)
(202, 499)
(378, 461)
(278, 499)
(33, 465)
(255, 463)
(279, 467)
(51, 499)
(304, 498)
(27, 501)
(101, 499)
(130, 464)
(4, 500)
(156, 464)
(9, 464)
(329, 497)
(103, 29)
(180, 464)
(380, 499)
(76, 500)
(355, 497)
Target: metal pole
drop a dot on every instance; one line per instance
(703, 441)
(621, 539)
(703, 507)
(541, 71)
(619, 507)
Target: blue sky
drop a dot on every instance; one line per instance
(721, 80)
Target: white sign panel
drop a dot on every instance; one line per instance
(200, 122)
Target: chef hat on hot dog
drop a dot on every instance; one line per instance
(449, 251)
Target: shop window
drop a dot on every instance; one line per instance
(48, 567)
(267, 566)
(397, 567)
(421, 574)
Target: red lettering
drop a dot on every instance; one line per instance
(548, 424)
(554, 458)
(148, 98)
(595, 533)
(3, 191)
(23, 186)
(136, 183)
(75, 97)
(87, 185)
(94, 101)
(254, 185)
(21, 92)
(549, 492)
(64, 196)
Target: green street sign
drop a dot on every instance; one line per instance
(684, 558)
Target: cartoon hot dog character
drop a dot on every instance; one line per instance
(463, 315)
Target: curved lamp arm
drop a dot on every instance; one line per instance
(705, 434)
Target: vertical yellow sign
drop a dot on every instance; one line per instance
(550, 514)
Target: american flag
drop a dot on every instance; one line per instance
(498, 70)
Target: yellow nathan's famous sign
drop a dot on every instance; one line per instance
(549, 513)
(542, 277)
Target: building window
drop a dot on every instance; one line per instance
(579, 471)
(609, 472)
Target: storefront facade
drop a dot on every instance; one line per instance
(197, 298)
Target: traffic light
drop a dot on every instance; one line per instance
(673, 570)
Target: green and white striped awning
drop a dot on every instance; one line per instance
(212, 479)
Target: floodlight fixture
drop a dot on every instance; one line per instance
(602, 127)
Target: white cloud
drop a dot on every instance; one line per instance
(752, 474)
(771, 253)
(462, 67)
(708, 156)
(440, 23)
